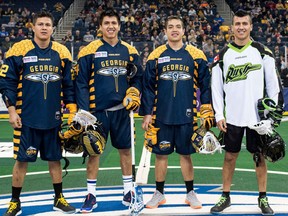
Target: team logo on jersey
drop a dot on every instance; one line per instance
(164, 145)
(45, 78)
(113, 71)
(240, 72)
(31, 151)
(175, 76)
(164, 59)
(28, 59)
(101, 54)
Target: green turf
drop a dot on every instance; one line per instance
(241, 181)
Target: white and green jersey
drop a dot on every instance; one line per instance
(240, 77)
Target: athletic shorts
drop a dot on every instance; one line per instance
(172, 138)
(29, 141)
(232, 139)
(117, 123)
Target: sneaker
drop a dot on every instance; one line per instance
(89, 204)
(60, 204)
(264, 206)
(14, 208)
(191, 199)
(157, 199)
(222, 204)
(127, 198)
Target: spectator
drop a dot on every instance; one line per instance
(78, 37)
(59, 7)
(68, 37)
(29, 23)
(208, 46)
(88, 37)
(3, 32)
(12, 34)
(30, 33)
(21, 34)
(6, 45)
(20, 23)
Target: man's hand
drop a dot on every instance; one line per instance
(150, 137)
(207, 115)
(14, 118)
(72, 111)
(132, 99)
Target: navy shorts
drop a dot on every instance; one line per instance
(117, 123)
(29, 141)
(232, 139)
(172, 138)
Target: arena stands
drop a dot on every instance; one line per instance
(142, 23)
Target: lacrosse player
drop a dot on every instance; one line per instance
(105, 87)
(242, 73)
(34, 80)
(173, 73)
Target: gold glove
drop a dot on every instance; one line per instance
(132, 99)
(207, 115)
(150, 137)
(72, 110)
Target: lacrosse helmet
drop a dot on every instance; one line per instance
(273, 147)
(72, 145)
(205, 142)
(93, 140)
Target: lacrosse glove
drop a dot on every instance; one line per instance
(132, 99)
(268, 109)
(150, 137)
(72, 130)
(72, 110)
(207, 114)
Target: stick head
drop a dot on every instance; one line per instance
(137, 203)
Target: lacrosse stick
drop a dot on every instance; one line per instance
(137, 203)
(144, 167)
(210, 144)
(84, 118)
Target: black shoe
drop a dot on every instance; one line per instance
(60, 204)
(222, 204)
(264, 206)
(14, 208)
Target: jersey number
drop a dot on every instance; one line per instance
(3, 70)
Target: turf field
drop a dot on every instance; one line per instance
(207, 168)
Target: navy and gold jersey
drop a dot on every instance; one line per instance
(36, 81)
(170, 82)
(102, 79)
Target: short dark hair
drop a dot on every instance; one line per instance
(110, 12)
(43, 14)
(173, 17)
(242, 13)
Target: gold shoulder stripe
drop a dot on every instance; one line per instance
(131, 49)
(195, 53)
(90, 48)
(20, 48)
(62, 50)
(157, 52)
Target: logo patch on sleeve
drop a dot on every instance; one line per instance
(28, 59)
